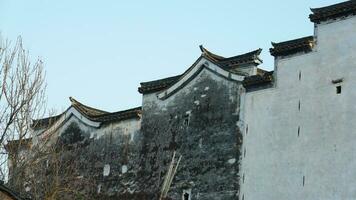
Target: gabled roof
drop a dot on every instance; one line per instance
(120, 115)
(258, 81)
(90, 113)
(333, 11)
(225, 63)
(247, 58)
(304, 44)
(21, 143)
(86, 110)
(45, 122)
(157, 85)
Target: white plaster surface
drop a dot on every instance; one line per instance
(106, 170)
(124, 169)
(324, 153)
(231, 161)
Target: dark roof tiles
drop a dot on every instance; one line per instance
(225, 63)
(333, 11)
(45, 122)
(86, 110)
(20, 143)
(247, 58)
(157, 85)
(304, 44)
(258, 80)
(92, 114)
(121, 115)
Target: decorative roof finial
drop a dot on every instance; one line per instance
(73, 101)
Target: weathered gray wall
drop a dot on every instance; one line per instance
(199, 123)
(129, 159)
(90, 163)
(109, 161)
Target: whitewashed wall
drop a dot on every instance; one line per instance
(320, 161)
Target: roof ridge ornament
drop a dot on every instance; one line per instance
(86, 110)
(206, 52)
(73, 101)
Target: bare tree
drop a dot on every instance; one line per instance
(22, 98)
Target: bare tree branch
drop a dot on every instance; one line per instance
(22, 97)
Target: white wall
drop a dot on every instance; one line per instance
(324, 153)
(129, 127)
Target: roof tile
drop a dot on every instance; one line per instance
(333, 11)
(304, 44)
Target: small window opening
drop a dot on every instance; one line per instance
(300, 75)
(299, 105)
(303, 180)
(338, 89)
(186, 119)
(246, 129)
(298, 131)
(186, 196)
(244, 152)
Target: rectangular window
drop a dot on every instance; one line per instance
(187, 194)
(300, 75)
(338, 89)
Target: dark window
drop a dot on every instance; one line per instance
(300, 75)
(186, 196)
(338, 89)
(186, 119)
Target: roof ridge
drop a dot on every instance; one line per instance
(138, 108)
(86, 109)
(44, 122)
(254, 53)
(293, 40)
(157, 85)
(251, 57)
(161, 79)
(334, 11)
(120, 115)
(333, 6)
(303, 44)
(213, 56)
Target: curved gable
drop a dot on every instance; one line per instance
(192, 72)
(233, 68)
(89, 116)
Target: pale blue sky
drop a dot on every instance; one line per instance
(99, 51)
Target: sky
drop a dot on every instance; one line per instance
(99, 51)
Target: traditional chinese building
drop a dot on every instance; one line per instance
(224, 128)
